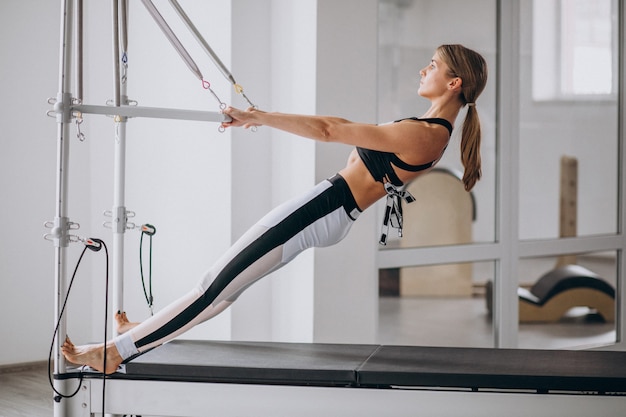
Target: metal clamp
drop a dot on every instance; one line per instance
(119, 222)
(59, 231)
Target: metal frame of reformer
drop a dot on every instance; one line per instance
(189, 399)
(177, 393)
(67, 109)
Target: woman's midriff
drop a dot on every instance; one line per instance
(365, 189)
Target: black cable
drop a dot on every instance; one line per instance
(59, 395)
(106, 322)
(95, 245)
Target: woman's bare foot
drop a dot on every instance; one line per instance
(92, 355)
(123, 324)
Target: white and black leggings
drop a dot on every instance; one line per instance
(321, 217)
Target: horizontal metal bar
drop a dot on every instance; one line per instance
(480, 252)
(153, 112)
(574, 245)
(434, 255)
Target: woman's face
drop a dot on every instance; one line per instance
(434, 78)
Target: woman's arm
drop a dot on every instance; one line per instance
(394, 137)
(312, 127)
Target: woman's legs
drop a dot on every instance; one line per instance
(229, 276)
(319, 218)
(180, 315)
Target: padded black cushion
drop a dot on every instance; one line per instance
(253, 362)
(381, 366)
(476, 368)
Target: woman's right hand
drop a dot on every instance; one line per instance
(240, 118)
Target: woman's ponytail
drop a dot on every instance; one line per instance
(470, 148)
(471, 67)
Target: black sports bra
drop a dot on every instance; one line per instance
(379, 163)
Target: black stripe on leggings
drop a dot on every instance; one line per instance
(321, 205)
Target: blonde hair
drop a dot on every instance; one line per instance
(471, 68)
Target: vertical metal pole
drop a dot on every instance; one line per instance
(119, 212)
(119, 176)
(620, 313)
(61, 221)
(79, 50)
(505, 302)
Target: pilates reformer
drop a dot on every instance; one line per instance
(229, 378)
(198, 378)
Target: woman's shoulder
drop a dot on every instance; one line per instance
(429, 120)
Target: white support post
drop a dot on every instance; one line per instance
(620, 314)
(66, 107)
(61, 225)
(119, 213)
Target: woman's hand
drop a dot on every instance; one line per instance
(241, 118)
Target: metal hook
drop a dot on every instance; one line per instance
(207, 86)
(79, 120)
(254, 106)
(124, 68)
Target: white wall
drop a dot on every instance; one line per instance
(28, 76)
(346, 278)
(317, 47)
(178, 173)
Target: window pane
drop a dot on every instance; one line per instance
(568, 152)
(441, 305)
(574, 49)
(586, 47)
(409, 33)
(567, 302)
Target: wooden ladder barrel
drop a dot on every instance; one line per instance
(442, 215)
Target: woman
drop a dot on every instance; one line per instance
(386, 157)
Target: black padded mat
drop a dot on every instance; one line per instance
(542, 370)
(382, 366)
(252, 362)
